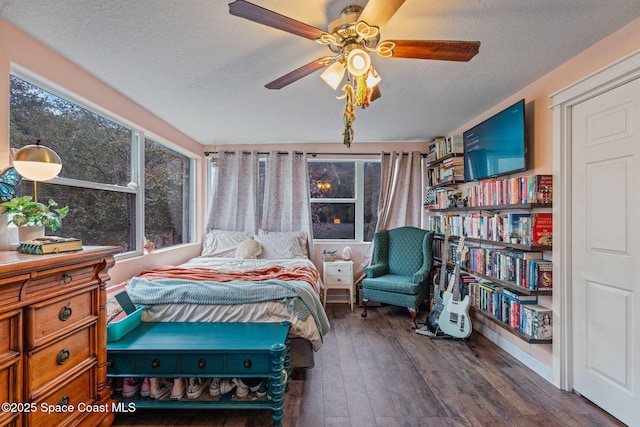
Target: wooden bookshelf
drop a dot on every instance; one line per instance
(508, 328)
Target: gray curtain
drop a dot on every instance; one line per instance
(234, 201)
(400, 202)
(286, 194)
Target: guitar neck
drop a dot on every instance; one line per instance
(443, 265)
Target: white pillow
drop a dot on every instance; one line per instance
(276, 245)
(249, 249)
(221, 243)
(300, 235)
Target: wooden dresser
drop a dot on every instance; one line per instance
(53, 338)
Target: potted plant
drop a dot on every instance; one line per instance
(514, 237)
(27, 213)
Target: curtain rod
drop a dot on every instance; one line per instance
(208, 153)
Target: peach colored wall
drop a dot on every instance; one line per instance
(537, 95)
(33, 60)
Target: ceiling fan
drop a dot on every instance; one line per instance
(350, 36)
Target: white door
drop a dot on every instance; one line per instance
(605, 230)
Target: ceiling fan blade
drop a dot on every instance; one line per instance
(443, 50)
(378, 12)
(296, 74)
(272, 19)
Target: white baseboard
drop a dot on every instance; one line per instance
(528, 360)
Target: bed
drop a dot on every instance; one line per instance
(240, 277)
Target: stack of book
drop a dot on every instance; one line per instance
(49, 245)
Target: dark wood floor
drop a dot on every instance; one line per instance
(377, 372)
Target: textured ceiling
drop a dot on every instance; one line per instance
(203, 70)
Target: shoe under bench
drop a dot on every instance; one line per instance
(194, 349)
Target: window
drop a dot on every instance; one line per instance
(344, 199)
(99, 169)
(166, 195)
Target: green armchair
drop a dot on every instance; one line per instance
(399, 275)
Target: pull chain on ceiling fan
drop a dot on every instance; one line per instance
(351, 37)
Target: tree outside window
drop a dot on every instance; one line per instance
(98, 177)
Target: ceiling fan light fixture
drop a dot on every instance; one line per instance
(333, 75)
(358, 62)
(373, 78)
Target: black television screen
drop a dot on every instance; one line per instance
(496, 146)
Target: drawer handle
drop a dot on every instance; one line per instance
(247, 363)
(63, 356)
(64, 401)
(202, 363)
(339, 271)
(65, 313)
(155, 363)
(66, 278)
(339, 280)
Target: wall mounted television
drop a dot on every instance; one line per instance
(497, 146)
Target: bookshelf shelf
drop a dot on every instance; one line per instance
(514, 331)
(514, 209)
(448, 184)
(524, 248)
(502, 283)
(439, 161)
(509, 285)
(493, 208)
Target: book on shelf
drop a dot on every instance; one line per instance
(49, 245)
(520, 298)
(454, 144)
(516, 226)
(540, 274)
(542, 229)
(536, 321)
(542, 189)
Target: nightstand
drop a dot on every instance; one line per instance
(338, 275)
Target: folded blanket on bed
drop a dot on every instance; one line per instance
(299, 296)
(304, 273)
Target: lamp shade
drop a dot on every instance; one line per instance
(358, 62)
(333, 75)
(37, 162)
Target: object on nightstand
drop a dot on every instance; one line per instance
(328, 256)
(346, 253)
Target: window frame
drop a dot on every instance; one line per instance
(136, 184)
(358, 198)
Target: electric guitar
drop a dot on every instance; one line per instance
(434, 314)
(454, 319)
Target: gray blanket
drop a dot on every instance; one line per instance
(298, 296)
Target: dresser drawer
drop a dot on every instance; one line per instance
(51, 361)
(60, 279)
(10, 288)
(202, 363)
(248, 363)
(71, 393)
(10, 332)
(10, 380)
(145, 364)
(60, 316)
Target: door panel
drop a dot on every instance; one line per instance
(605, 288)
